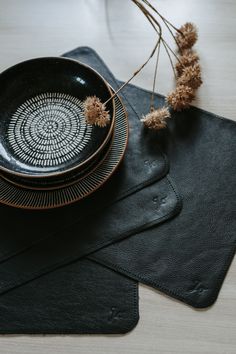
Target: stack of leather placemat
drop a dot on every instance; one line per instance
(167, 218)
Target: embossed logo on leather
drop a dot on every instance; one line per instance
(150, 164)
(159, 201)
(114, 314)
(198, 287)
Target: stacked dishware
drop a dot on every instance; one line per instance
(49, 155)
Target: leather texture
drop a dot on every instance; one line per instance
(70, 230)
(141, 210)
(187, 257)
(82, 297)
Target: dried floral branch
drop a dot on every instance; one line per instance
(161, 16)
(170, 59)
(148, 15)
(91, 116)
(187, 72)
(170, 49)
(166, 22)
(180, 98)
(191, 76)
(187, 58)
(156, 119)
(154, 79)
(95, 112)
(188, 36)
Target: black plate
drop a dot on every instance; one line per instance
(42, 128)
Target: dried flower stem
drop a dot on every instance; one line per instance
(187, 67)
(171, 61)
(134, 74)
(166, 22)
(161, 16)
(160, 34)
(171, 50)
(149, 16)
(157, 27)
(147, 13)
(155, 76)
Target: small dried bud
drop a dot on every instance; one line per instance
(156, 119)
(187, 58)
(188, 36)
(181, 97)
(95, 112)
(191, 76)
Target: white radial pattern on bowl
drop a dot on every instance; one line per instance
(48, 130)
(33, 199)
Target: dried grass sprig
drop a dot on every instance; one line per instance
(95, 112)
(160, 15)
(187, 71)
(154, 78)
(191, 76)
(155, 25)
(167, 23)
(156, 119)
(170, 59)
(187, 36)
(181, 97)
(188, 58)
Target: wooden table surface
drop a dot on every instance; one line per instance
(120, 34)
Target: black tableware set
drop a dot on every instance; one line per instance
(46, 144)
(158, 208)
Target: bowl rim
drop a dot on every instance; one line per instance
(51, 174)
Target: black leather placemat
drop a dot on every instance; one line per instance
(188, 256)
(79, 235)
(82, 297)
(143, 209)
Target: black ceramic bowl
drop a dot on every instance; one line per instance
(43, 133)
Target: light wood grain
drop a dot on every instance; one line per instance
(49, 28)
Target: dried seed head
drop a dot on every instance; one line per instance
(191, 76)
(181, 97)
(156, 119)
(95, 112)
(188, 36)
(187, 58)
